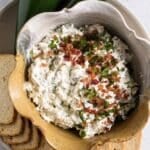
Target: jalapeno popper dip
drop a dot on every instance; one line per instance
(78, 78)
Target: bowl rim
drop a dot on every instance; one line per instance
(124, 10)
(6, 5)
(114, 3)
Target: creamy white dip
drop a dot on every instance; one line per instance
(78, 79)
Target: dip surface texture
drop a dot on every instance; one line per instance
(78, 78)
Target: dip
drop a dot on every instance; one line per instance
(78, 78)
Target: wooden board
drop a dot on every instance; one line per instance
(132, 144)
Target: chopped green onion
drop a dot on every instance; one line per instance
(122, 69)
(106, 104)
(118, 69)
(105, 72)
(111, 111)
(53, 45)
(89, 53)
(96, 70)
(81, 115)
(90, 93)
(108, 45)
(67, 39)
(123, 104)
(104, 114)
(83, 43)
(82, 133)
(95, 60)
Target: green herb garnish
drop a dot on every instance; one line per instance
(122, 69)
(89, 53)
(95, 60)
(104, 114)
(105, 72)
(106, 104)
(82, 133)
(83, 43)
(96, 70)
(108, 45)
(90, 93)
(53, 44)
(111, 111)
(81, 115)
(123, 104)
(67, 39)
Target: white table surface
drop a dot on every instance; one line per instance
(141, 9)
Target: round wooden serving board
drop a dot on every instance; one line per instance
(132, 144)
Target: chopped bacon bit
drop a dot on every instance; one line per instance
(89, 70)
(98, 102)
(93, 75)
(67, 57)
(109, 121)
(95, 81)
(119, 95)
(69, 51)
(126, 95)
(76, 51)
(106, 129)
(122, 95)
(87, 85)
(108, 57)
(61, 49)
(94, 102)
(116, 87)
(80, 60)
(69, 46)
(62, 44)
(74, 61)
(91, 111)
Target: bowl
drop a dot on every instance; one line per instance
(4, 4)
(94, 12)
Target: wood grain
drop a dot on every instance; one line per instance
(132, 144)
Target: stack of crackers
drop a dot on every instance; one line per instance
(16, 131)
